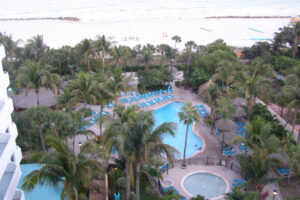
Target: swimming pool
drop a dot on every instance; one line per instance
(168, 113)
(205, 184)
(45, 192)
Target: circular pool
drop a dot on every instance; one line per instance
(205, 184)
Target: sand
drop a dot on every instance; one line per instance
(235, 32)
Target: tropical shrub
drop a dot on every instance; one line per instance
(154, 79)
(283, 63)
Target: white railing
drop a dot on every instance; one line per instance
(5, 114)
(11, 183)
(9, 147)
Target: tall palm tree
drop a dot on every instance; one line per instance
(102, 45)
(187, 115)
(147, 55)
(117, 54)
(133, 55)
(117, 83)
(226, 74)
(117, 134)
(256, 168)
(259, 136)
(63, 166)
(177, 39)
(147, 142)
(190, 45)
(165, 51)
(225, 110)
(34, 76)
(251, 86)
(38, 46)
(87, 51)
(292, 153)
(82, 88)
(210, 96)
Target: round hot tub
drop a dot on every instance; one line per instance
(205, 184)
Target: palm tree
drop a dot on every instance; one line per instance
(86, 50)
(177, 39)
(292, 153)
(82, 88)
(292, 91)
(256, 168)
(187, 115)
(225, 110)
(117, 134)
(117, 54)
(133, 54)
(165, 51)
(117, 83)
(38, 46)
(102, 45)
(251, 86)
(226, 74)
(63, 166)
(147, 55)
(210, 96)
(34, 76)
(238, 194)
(190, 45)
(147, 142)
(259, 136)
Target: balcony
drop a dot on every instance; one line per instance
(19, 195)
(9, 181)
(7, 147)
(6, 108)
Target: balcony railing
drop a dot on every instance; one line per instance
(9, 181)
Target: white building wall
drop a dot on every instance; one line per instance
(10, 153)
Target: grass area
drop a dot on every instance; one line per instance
(293, 190)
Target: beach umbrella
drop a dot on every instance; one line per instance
(227, 125)
(240, 112)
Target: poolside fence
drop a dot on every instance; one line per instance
(208, 160)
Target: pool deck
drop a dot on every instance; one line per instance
(177, 175)
(211, 148)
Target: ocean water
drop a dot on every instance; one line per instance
(124, 10)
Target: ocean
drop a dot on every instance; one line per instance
(124, 10)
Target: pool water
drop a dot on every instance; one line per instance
(205, 184)
(40, 192)
(168, 113)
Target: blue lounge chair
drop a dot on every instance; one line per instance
(238, 181)
(105, 112)
(230, 153)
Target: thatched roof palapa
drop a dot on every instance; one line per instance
(46, 98)
(225, 125)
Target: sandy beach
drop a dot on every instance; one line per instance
(236, 32)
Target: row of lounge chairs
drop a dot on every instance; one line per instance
(202, 110)
(236, 182)
(166, 189)
(93, 120)
(283, 171)
(229, 151)
(240, 129)
(156, 100)
(146, 96)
